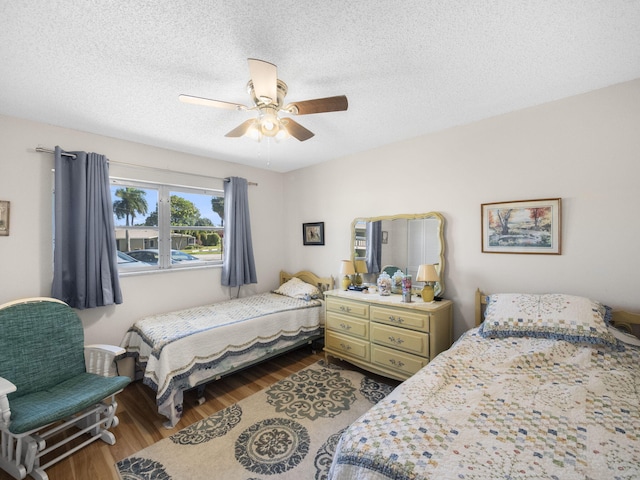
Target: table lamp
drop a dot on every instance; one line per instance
(428, 275)
(361, 267)
(346, 269)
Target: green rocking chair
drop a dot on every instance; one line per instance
(50, 383)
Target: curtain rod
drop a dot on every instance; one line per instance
(48, 150)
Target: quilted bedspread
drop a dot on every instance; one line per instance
(504, 408)
(178, 350)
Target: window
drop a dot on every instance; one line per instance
(161, 226)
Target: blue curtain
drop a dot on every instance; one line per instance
(239, 266)
(85, 267)
(373, 257)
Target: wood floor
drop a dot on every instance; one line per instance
(141, 425)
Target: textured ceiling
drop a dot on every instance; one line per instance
(408, 68)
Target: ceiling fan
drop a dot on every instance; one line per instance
(267, 92)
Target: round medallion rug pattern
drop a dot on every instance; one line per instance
(312, 394)
(288, 430)
(272, 446)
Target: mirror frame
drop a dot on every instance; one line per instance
(408, 216)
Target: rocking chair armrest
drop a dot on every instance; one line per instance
(6, 387)
(100, 359)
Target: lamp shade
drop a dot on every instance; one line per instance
(361, 266)
(427, 273)
(346, 267)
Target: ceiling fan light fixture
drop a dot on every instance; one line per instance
(269, 128)
(283, 134)
(269, 123)
(253, 132)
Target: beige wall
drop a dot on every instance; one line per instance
(584, 149)
(26, 179)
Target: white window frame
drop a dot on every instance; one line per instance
(164, 223)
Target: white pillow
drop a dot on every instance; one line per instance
(558, 316)
(296, 288)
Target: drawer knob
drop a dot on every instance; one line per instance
(394, 319)
(345, 326)
(396, 363)
(345, 309)
(345, 346)
(396, 341)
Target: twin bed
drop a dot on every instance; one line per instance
(543, 387)
(180, 350)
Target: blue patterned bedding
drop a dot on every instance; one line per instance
(504, 408)
(179, 350)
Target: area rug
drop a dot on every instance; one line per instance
(286, 431)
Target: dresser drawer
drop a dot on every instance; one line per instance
(354, 347)
(395, 360)
(349, 325)
(348, 307)
(401, 338)
(405, 318)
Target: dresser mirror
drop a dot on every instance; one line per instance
(399, 242)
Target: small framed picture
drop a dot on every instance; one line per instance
(313, 233)
(523, 226)
(4, 217)
(385, 237)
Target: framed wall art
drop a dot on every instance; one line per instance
(4, 217)
(313, 233)
(522, 226)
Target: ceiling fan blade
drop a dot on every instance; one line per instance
(241, 129)
(296, 130)
(319, 105)
(264, 76)
(207, 102)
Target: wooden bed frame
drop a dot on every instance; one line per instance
(323, 283)
(626, 321)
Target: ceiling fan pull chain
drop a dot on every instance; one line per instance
(268, 152)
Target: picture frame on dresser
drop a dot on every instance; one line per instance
(313, 233)
(522, 226)
(4, 217)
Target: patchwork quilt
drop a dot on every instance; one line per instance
(178, 350)
(504, 408)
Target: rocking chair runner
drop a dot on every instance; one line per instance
(49, 382)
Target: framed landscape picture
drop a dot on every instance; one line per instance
(313, 233)
(522, 226)
(4, 217)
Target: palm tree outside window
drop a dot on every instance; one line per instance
(131, 202)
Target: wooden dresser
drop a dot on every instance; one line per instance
(383, 334)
